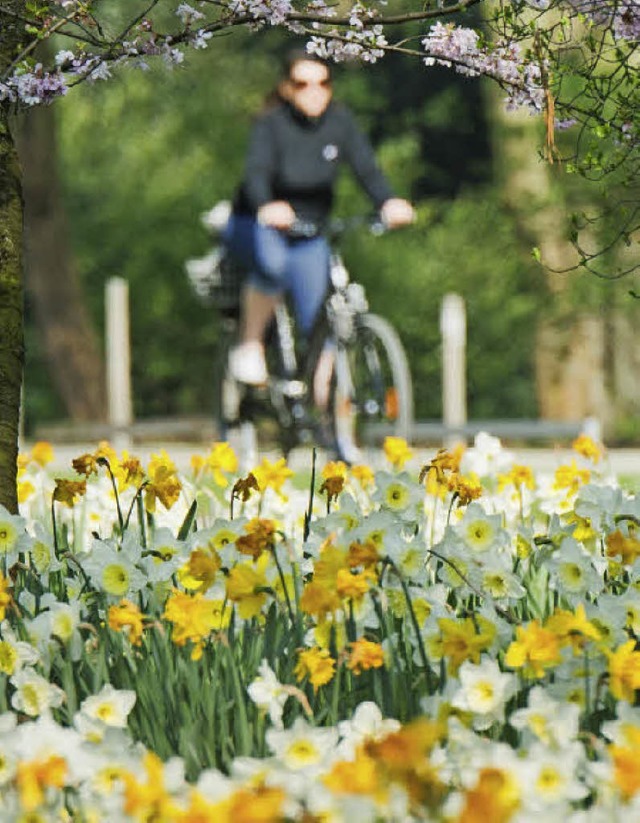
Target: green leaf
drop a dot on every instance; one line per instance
(188, 522)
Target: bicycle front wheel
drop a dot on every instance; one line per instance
(372, 388)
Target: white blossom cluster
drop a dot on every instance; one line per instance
(33, 87)
(364, 40)
(366, 44)
(273, 12)
(188, 14)
(451, 45)
(623, 16)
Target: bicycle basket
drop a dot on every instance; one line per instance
(216, 279)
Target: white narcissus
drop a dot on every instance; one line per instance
(484, 691)
(552, 722)
(114, 571)
(110, 706)
(302, 747)
(269, 694)
(34, 695)
(13, 538)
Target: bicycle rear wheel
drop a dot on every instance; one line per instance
(372, 390)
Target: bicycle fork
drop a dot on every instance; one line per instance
(290, 387)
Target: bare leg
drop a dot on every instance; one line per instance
(257, 311)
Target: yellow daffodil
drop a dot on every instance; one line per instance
(85, 464)
(199, 573)
(331, 560)
(259, 804)
(397, 451)
(5, 596)
(363, 474)
(126, 616)
(360, 776)
(129, 472)
(34, 777)
(626, 763)
(164, 484)
(194, 618)
(8, 657)
(495, 797)
(363, 554)
(316, 664)
(318, 599)
(246, 586)
(42, 453)
(364, 655)
(572, 628)
(519, 476)
(272, 475)
(444, 461)
(624, 671)
(26, 490)
(353, 586)
(534, 650)
(466, 487)
(587, 447)
(332, 487)
(460, 640)
(626, 546)
(148, 798)
(570, 477)
(403, 757)
(259, 537)
(335, 468)
(222, 460)
(67, 491)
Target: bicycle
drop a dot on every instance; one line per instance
(347, 388)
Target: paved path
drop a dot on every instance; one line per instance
(622, 462)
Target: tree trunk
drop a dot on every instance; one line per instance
(11, 313)
(571, 359)
(11, 305)
(62, 318)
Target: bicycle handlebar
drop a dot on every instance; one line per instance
(216, 219)
(336, 227)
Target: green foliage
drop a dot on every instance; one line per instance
(143, 157)
(145, 154)
(469, 247)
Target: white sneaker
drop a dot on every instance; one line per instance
(247, 364)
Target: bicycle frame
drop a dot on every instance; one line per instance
(352, 371)
(302, 386)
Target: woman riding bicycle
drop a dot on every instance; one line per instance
(295, 150)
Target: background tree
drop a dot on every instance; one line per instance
(11, 333)
(67, 333)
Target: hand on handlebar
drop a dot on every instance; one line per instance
(278, 214)
(397, 212)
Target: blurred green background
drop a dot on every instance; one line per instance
(142, 156)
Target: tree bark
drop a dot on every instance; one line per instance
(572, 356)
(11, 304)
(51, 279)
(11, 313)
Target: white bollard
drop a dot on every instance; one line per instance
(592, 427)
(118, 352)
(453, 329)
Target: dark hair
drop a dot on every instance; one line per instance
(299, 55)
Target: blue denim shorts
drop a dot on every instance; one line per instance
(277, 264)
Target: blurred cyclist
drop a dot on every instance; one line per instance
(295, 151)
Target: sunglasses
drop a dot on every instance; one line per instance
(299, 85)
